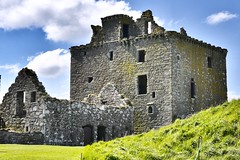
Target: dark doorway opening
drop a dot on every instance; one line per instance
(142, 84)
(88, 134)
(101, 133)
(125, 31)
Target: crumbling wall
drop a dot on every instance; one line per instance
(21, 103)
(65, 121)
(21, 138)
(62, 122)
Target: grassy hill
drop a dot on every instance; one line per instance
(218, 127)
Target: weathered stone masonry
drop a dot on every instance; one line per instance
(165, 74)
(27, 108)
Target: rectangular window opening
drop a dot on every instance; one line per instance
(141, 56)
(209, 62)
(193, 91)
(33, 96)
(125, 30)
(20, 104)
(142, 84)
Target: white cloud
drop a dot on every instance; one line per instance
(233, 95)
(53, 70)
(61, 20)
(11, 68)
(51, 64)
(220, 17)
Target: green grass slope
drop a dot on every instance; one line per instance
(219, 128)
(39, 152)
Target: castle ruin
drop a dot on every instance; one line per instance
(132, 77)
(165, 74)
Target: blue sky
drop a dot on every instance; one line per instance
(38, 34)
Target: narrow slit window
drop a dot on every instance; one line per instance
(141, 56)
(149, 29)
(111, 55)
(153, 94)
(193, 90)
(209, 62)
(142, 84)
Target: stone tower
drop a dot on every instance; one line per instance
(165, 74)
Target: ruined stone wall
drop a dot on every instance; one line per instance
(101, 117)
(113, 27)
(65, 121)
(22, 102)
(21, 138)
(206, 66)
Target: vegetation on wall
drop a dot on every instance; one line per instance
(129, 69)
(211, 134)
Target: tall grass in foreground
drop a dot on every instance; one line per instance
(218, 126)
